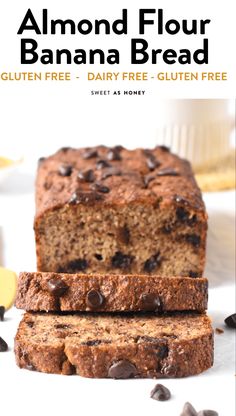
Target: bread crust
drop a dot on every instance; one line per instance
(180, 345)
(119, 292)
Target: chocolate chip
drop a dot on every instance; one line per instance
(2, 312)
(188, 410)
(3, 345)
(56, 286)
(98, 257)
(147, 179)
(103, 164)
(87, 175)
(193, 239)
(114, 154)
(122, 369)
(194, 275)
(90, 154)
(168, 172)
(84, 198)
(123, 235)
(121, 261)
(163, 148)
(207, 413)
(184, 216)
(95, 342)
(160, 393)
(30, 324)
(62, 326)
(160, 345)
(162, 351)
(65, 170)
(111, 172)
(152, 263)
(231, 321)
(76, 265)
(167, 229)
(94, 299)
(100, 188)
(64, 149)
(152, 162)
(151, 302)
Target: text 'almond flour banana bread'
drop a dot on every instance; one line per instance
(121, 211)
(111, 293)
(115, 346)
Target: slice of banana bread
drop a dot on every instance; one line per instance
(120, 211)
(111, 293)
(116, 346)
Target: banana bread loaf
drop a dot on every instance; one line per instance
(120, 211)
(115, 346)
(112, 293)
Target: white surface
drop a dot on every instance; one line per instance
(30, 393)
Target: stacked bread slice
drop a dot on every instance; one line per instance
(119, 292)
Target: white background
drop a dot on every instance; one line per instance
(36, 119)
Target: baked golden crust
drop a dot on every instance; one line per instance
(110, 293)
(117, 346)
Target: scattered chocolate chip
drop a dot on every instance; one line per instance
(152, 162)
(151, 302)
(123, 235)
(94, 299)
(114, 154)
(95, 342)
(87, 175)
(84, 198)
(76, 265)
(194, 275)
(64, 149)
(98, 257)
(30, 324)
(101, 164)
(2, 313)
(219, 331)
(168, 172)
(188, 410)
(111, 172)
(90, 154)
(3, 345)
(100, 188)
(207, 413)
(162, 351)
(122, 369)
(184, 216)
(56, 286)
(231, 321)
(119, 148)
(121, 261)
(163, 148)
(62, 326)
(65, 170)
(160, 393)
(147, 179)
(41, 160)
(193, 239)
(152, 263)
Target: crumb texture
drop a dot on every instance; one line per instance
(117, 346)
